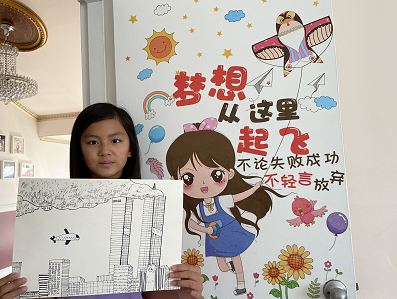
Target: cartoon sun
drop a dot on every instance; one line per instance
(160, 46)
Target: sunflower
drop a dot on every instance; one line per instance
(193, 257)
(273, 272)
(296, 261)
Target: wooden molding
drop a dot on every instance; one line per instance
(45, 117)
(55, 140)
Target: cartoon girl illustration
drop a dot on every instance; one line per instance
(213, 189)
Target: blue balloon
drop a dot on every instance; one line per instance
(337, 223)
(156, 134)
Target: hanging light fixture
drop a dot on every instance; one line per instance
(13, 87)
(23, 31)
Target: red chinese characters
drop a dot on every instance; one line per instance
(253, 144)
(192, 96)
(235, 78)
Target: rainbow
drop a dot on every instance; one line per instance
(150, 97)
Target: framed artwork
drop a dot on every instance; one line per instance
(2, 143)
(26, 170)
(17, 145)
(7, 169)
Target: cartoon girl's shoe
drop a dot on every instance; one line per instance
(239, 291)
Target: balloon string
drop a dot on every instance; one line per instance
(334, 243)
(148, 148)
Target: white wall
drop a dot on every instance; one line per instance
(50, 159)
(365, 43)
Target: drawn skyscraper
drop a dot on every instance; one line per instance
(151, 231)
(120, 232)
(151, 240)
(58, 277)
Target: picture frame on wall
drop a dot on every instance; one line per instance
(17, 145)
(7, 169)
(26, 170)
(2, 143)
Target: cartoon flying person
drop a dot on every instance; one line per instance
(213, 189)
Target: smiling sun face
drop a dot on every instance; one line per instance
(160, 46)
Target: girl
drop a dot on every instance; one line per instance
(104, 145)
(204, 159)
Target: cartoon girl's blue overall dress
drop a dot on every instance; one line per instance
(229, 238)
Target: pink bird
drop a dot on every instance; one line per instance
(306, 212)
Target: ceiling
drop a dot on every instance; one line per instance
(56, 66)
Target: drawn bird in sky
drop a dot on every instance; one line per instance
(294, 41)
(306, 212)
(67, 237)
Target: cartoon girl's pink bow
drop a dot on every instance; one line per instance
(207, 124)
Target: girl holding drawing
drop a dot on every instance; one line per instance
(213, 189)
(104, 145)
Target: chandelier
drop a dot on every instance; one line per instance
(13, 87)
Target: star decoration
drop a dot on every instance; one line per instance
(199, 54)
(191, 30)
(315, 3)
(227, 53)
(127, 58)
(133, 19)
(177, 73)
(216, 9)
(196, 1)
(264, 1)
(185, 17)
(219, 33)
(249, 25)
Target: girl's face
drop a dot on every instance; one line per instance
(200, 181)
(106, 147)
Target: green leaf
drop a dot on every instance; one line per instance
(292, 284)
(316, 292)
(205, 277)
(316, 296)
(315, 284)
(340, 273)
(276, 293)
(316, 280)
(310, 295)
(310, 290)
(256, 281)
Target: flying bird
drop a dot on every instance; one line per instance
(294, 41)
(305, 212)
(67, 237)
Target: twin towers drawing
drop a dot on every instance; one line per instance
(150, 274)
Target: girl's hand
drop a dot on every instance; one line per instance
(210, 230)
(191, 281)
(11, 286)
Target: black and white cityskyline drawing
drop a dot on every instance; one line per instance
(73, 195)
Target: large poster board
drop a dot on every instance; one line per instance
(256, 78)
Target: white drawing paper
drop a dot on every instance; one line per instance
(84, 237)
